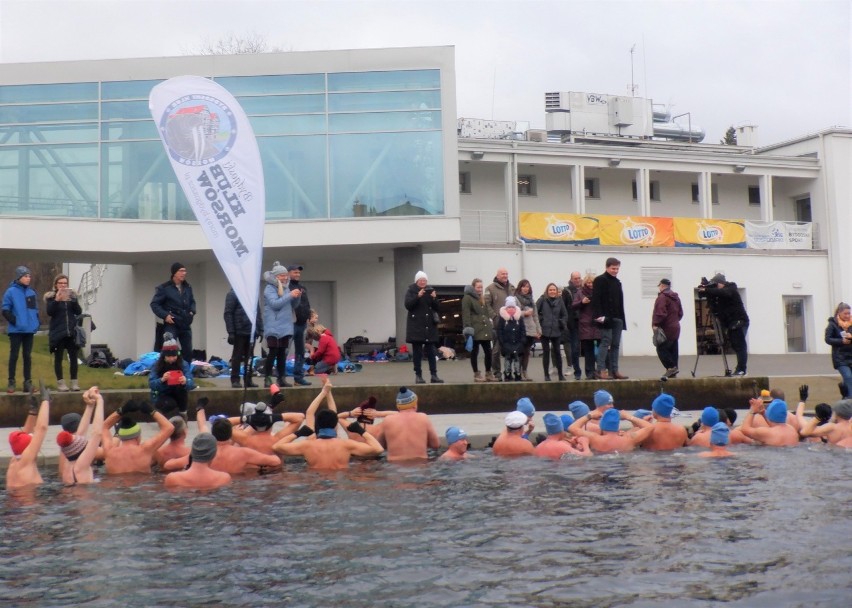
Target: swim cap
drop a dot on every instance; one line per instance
(19, 440)
(70, 422)
(222, 430)
(663, 405)
(709, 416)
(843, 409)
(602, 398)
(515, 420)
(553, 424)
(525, 406)
(454, 434)
(325, 419)
(203, 448)
(567, 420)
(72, 445)
(719, 434)
(578, 409)
(776, 411)
(212, 420)
(643, 413)
(405, 399)
(610, 420)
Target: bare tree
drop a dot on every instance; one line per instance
(246, 43)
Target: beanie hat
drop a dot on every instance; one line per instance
(72, 445)
(405, 399)
(663, 405)
(70, 422)
(642, 414)
(567, 420)
(719, 434)
(578, 409)
(611, 420)
(454, 434)
(776, 411)
(129, 429)
(526, 406)
(175, 267)
(18, 441)
(420, 275)
(843, 409)
(222, 429)
(21, 271)
(326, 419)
(260, 417)
(277, 269)
(203, 448)
(515, 420)
(602, 398)
(553, 424)
(170, 345)
(709, 416)
(718, 278)
(510, 302)
(180, 427)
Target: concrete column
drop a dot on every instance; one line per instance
(578, 188)
(643, 195)
(767, 213)
(705, 194)
(406, 262)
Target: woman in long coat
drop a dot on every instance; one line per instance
(421, 328)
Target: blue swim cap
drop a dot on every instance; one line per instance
(553, 424)
(642, 413)
(776, 411)
(719, 434)
(602, 398)
(454, 433)
(567, 420)
(663, 405)
(709, 416)
(526, 406)
(578, 409)
(611, 420)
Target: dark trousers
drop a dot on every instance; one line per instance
(242, 353)
(417, 350)
(588, 348)
(495, 352)
(298, 343)
(572, 351)
(668, 353)
(548, 346)
(65, 345)
(525, 357)
(486, 354)
(178, 393)
(737, 340)
(21, 342)
(276, 357)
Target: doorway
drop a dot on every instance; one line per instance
(794, 323)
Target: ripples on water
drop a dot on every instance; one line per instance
(768, 528)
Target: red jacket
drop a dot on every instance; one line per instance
(327, 350)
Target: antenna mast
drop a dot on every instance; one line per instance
(633, 86)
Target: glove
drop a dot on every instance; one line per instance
(231, 339)
(277, 399)
(803, 393)
(45, 394)
(146, 408)
(355, 428)
(202, 403)
(128, 407)
(467, 331)
(34, 403)
(10, 317)
(304, 431)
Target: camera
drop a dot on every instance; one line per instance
(429, 289)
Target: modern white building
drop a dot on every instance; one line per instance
(368, 181)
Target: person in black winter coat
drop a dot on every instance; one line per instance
(63, 309)
(238, 326)
(174, 303)
(727, 305)
(838, 334)
(553, 317)
(513, 337)
(421, 329)
(608, 311)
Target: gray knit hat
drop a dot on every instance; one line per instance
(20, 271)
(278, 268)
(203, 448)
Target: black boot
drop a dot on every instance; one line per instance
(507, 376)
(282, 382)
(844, 390)
(435, 379)
(418, 379)
(236, 384)
(250, 383)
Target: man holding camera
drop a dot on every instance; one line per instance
(727, 305)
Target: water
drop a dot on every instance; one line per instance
(768, 528)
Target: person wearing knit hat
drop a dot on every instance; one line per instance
(708, 417)
(409, 434)
(578, 408)
(421, 326)
(176, 446)
(603, 400)
(171, 379)
(258, 420)
(70, 422)
(132, 454)
(526, 406)
(199, 475)
(280, 302)
(719, 437)
(23, 323)
(512, 440)
(75, 467)
(512, 335)
(664, 435)
(174, 306)
(835, 430)
(22, 470)
(777, 431)
(457, 444)
(609, 438)
(70, 445)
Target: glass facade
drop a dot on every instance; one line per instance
(333, 145)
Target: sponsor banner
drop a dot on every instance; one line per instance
(215, 156)
(636, 231)
(559, 227)
(697, 232)
(779, 235)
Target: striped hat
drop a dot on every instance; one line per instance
(405, 399)
(72, 445)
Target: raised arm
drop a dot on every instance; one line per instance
(201, 414)
(166, 428)
(39, 432)
(578, 427)
(91, 449)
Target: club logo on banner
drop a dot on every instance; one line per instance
(214, 154)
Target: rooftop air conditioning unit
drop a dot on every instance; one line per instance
(537, 135)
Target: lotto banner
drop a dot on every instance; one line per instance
(779, 235)
(696, 232)
(214, 154)
(637, 231)
(559, 227)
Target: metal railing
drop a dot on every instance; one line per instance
(90, 282)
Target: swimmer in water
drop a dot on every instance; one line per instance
(77, 450)
(718, 442)
(609, 439)
(512, 442)
(409, 434)
(664, 435)
(131, 454)
(709, 417)
(457, 445)
(777, 432)
(199, 475)
(26, 443)
(555, 446)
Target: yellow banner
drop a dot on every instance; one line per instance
(636, 231)
(696, 232)
(559, 227)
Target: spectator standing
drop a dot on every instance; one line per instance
(422, 326)
(279, 303)
(174, 303)
(302, 315)
(839, 337)
(608, 311)
(21, 312)
(588, 330)
(63, 309)
(667, 315)
(238, 326)
(727, 305)
(477, 325)
(554, 320)
(512, 338)
(495, 297)
(571, 338)
(532, 327)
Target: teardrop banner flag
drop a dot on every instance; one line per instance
(214, 154)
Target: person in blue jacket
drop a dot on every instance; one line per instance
(279, 303)
(170, 379)
(174, 304)
(20, 309)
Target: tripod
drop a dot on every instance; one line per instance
(721, 341)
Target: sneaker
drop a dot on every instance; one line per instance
(419, 380)
(282, 382)
(236, 384)
(301, 382)
(75, 386)
(672, 372)
(740, 372)
(11, 388)
(61, 386)
(28, 386)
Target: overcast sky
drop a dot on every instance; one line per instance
(783, 65)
